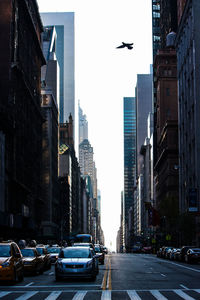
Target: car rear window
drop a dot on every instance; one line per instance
(27, 252)
(5, 251)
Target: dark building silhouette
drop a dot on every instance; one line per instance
(21, 119)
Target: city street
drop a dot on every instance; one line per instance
(124, 276)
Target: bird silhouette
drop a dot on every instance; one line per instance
(129, 46)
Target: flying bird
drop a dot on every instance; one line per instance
(129, 46)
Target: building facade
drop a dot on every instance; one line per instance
(64, 25)
(188, 48)
(144, 104)
(130, 154)
(21, 118)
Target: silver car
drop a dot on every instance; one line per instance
(75, 262)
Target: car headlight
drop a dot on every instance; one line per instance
(89, 264)
(5, 265)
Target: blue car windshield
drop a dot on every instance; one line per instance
(53, 250)
(75, 253)
(4, 251)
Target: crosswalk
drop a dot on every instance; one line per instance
(174, 294)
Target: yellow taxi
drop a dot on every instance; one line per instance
(11, 263)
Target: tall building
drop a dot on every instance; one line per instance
(156, 32)
(50, 75)
(64, 25)
(168, 19)
(83, 125)
(188, 56)
(21, 117)
(51, 220)
(144, 105)
(86, 160)
(130, 153)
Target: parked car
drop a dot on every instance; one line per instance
(146, 249)
(176, 254)
(45, 255)
(183, 252)
(99, 253)
(159, 252)
(164, 251)
(76, 262)
(54, 253)
(105, 249)
(11, 263)
(168, 251)
(173, 252)
(193, 255)
(33, 261)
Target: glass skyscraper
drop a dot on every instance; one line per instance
(130, 152)
(64, 25)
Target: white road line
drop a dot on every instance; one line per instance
(53, 296)
(29, 284)
(79, 295)
(183, 295)
(51, 273)
(181, 266)
(106, 295)
(183, 286)
(163, 275)
(3, 294)
(133, 295)
(158, 295)
(198, 291)
(27, 295)
(52, 286)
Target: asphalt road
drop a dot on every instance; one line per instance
(123, 277)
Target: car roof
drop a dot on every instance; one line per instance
(78, 247)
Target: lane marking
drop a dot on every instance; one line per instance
(172, 263)
(51, 273)
(133, 295)
(53, 296)
(3, 294)
(106, 295)
(79, 295)
(158, 295)
(103, 285)
(29, 284)
(183, 286)
(183, 295)
(163, 275)
(198, 291)
(27, 295)
(109, 284)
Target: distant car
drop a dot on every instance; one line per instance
(99, 253)
(193, 255)
(105, 249)
(136, 249)
(164, 251)
(147, 249)
(177, 254)
(11, 263)
(33, 261)
(54, 253)
(76, 262)
(45, 255)
(168, 251)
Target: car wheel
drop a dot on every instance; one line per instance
(93, 277)
(102, 262)
(41, 271)
(21, 277)
(15, 276)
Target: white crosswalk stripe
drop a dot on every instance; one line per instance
(158, 295)
(79, 295)
(53, 296)
(27, 295)
(106, 295)
(133, 295)
(3, 294)
(183, 295)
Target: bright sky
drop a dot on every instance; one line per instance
(103, 76)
